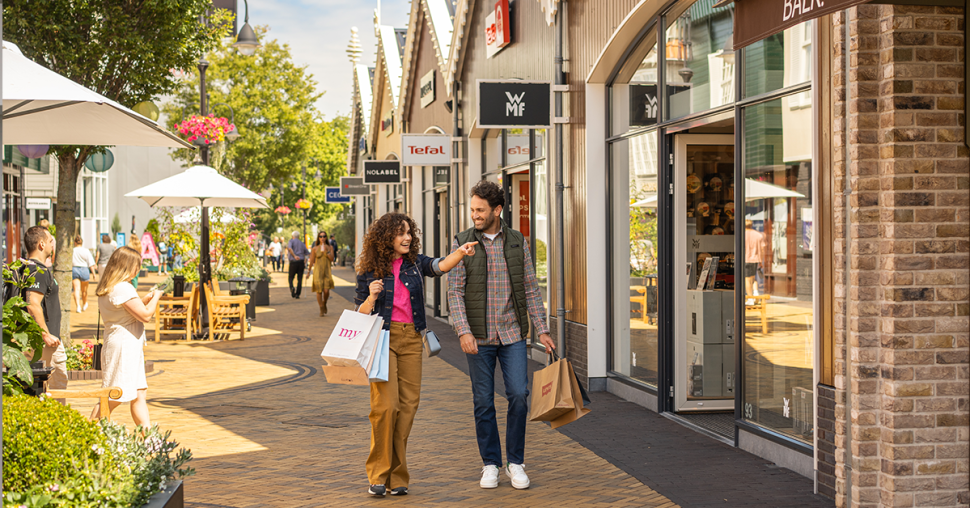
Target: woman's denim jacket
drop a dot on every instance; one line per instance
(412, 278)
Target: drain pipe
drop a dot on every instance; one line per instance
(846, 236)
(560, 214)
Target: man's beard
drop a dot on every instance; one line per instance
(489, 221)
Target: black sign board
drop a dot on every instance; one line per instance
(442, 175)
(382, 172)
(514, 104)
(644, 107)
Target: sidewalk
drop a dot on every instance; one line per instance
(267, 430)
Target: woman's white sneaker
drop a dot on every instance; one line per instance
(489, 477)
(516, 473)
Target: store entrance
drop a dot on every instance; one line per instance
(703, 284)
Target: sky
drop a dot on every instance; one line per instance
(318, 32)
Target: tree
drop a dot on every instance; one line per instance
(123, 50)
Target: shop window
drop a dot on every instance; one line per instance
(779, 61)
(779, 280)
(699, 52)
(633, 94)
(635, 257)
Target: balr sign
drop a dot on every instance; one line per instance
(425, 150)
(756, 19)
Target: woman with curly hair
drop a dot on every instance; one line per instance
(390, 282)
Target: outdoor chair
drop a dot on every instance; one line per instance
(98, 393)
(225, 312)
(761, 305)
(172, 308)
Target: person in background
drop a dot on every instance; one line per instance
(44, 303)
(44, 223)
(320, 257)
(178, 259)
(278, 253)
(492, 299)
(162, 257)
(125, 315)
(754, 247)
(82, 269)
(135, 244)
(104, 252)
(333, 245)
(297, 253)
(391, 253)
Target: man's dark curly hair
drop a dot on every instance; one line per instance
(491, 192)
(378, 251)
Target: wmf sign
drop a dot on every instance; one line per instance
(514, 104)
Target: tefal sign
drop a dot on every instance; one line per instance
(497, 29)
(425, 150)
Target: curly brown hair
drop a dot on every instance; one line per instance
(378, 251)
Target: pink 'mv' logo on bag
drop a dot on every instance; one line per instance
(348, 333)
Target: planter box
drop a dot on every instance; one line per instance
(172, 497)
(262, 293)
(92, 375)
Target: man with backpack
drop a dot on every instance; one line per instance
(43, 302)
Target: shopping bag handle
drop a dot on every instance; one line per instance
(555, 356)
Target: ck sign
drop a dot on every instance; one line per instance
(514, 104)
(425, 150)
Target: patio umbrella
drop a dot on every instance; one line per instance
(41, 107)
(194, 214)
(753, 189)
(199, 186)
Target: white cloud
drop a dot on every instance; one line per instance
(318, 32)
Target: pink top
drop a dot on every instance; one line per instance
(401, 313)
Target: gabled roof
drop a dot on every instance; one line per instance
(437, 15)
(389, 51)
(455, 49)
(360, 114)
(363, 87)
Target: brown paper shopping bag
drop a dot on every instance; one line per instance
(552, 394)
(579, 410)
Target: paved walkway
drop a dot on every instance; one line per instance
(267, 430)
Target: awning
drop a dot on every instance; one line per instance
(756, 19)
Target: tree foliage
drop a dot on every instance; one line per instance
(125, 51)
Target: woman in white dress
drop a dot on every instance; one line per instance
(124, 315)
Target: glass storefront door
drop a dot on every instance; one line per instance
(704, 229)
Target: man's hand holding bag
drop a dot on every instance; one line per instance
(556, 394)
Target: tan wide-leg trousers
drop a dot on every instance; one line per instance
(392, 408)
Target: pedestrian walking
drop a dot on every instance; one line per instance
(333, 245)
(390, 282)
(321, 257)
(162, 257)
(104, 252)
(296, 253)
(125, 315)
(492, 298)
(275, 250)
(44, 302)
(82, 269)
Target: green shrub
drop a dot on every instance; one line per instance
(46, 442)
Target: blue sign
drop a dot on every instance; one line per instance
(333, 196)
(120, 239)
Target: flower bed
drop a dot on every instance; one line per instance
(54, 457)
(91, 374)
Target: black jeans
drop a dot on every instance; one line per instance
(296, 270)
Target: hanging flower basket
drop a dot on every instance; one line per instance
(282, 210)
(204, 130)
(303, 204)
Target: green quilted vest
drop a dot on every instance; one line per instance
(476, 279)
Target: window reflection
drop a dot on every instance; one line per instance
(778, 61)
(699, 51)
(778, 269)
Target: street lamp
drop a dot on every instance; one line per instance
(246, 41)
(233, 134)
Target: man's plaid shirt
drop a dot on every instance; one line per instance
(502, 325)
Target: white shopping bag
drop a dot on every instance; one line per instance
(382, 356)
(353, 340)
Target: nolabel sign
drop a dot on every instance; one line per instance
(514, 104)
(425, 150)
(382, 172)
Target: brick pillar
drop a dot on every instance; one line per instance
(904, 357)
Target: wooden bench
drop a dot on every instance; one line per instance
(171, 308)
(103, 394)
(225, 312)
(761, 305)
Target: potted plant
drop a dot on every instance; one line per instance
(21, 335)
(204, 130)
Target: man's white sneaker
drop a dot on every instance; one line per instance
(516, 473)
(489, 477)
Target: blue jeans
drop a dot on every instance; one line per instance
(481, 369)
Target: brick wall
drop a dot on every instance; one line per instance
(903, 361)
(825, 432)
(576, 347)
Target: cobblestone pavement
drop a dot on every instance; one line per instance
(268, 431)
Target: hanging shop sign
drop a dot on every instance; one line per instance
(362, 145)
(382, 172)
(425, 149)
(427, 89)
(497, 29)
(334, 196)
(442, 175)
(38, 203)
(514, 104)
(756, 19)
(353, 186)
(387, 124)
